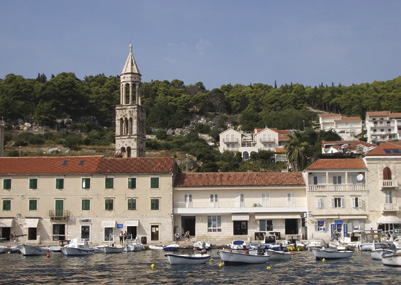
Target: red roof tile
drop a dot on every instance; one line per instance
(83, 164)
(378, 113)
(221, 179)
(381, 150)
(355, 163)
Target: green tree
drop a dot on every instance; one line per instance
(297, 151)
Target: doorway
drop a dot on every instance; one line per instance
(240, 227)
(188, 224)
(154, 232)
(58, 232)
(131, 232)
(5, 233)
(291, 226)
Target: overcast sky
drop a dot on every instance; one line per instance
(216, 42)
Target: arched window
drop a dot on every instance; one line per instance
(125, 126)
(245, 155)
(386, 173)
(127, 93)
(128, 151)
(130, 126)
(121, 126)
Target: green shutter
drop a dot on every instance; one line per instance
(131, 183)
(33, 205)
(7, 183)
(154, 182)
(154, 204)
(109, 204)
(131, 204)
(59, 208)
(59, 183)
(86, 205)
(33, 183)
(6, 205)
(109, 183)
(86, 183)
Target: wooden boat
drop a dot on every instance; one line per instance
(187, 259)
(321, 253)
(392, 259)
(77, 247)
(171, 247)
(30, 250)
(234, 258)
(276, 255)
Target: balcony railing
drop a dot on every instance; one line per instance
(59, 215)
(391, 207)
(252, 203)
(336, 187)
(267, 140)
(230, 140)
(389, 183)
(231, 149)
(184, 204)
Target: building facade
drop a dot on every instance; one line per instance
(382, 126)
(347, 127)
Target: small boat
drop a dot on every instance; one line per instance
(3, 249)
(187, 259)
(237, 244)
(77, 247)
(111, 248)
(372, 246)
(276, 255)
(155, 247)
(315, 244)
(30, 250)
(15, 249)
(392, 259)
(377, 253)
(171, 247)
(133, 245)
(201, 245)
(55, 248)
(235, 258)
(321, 253)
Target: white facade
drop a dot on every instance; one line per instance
(383, 126)
(346, 127)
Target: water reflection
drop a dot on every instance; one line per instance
(135, 267)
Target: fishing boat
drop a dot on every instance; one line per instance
(30, 250)
(321, 253)
(276, 255)
(187, 259)
(392, 259)
(77, 247)
(171, 247)
(237, 244)
(235, 258)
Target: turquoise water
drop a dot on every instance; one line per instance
(135, 267)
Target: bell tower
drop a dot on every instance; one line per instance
(130, 115)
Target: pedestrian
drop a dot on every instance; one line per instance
(125, 235)
(177, 236)
(187, 234)
(121, 237)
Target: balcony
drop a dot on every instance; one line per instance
(391, 207)
(389, 184)
(267, 140)
(59, 215)
(230, 149)
(230, 140)
(184, 204)
(336, 187)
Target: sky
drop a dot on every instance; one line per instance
(215, 42)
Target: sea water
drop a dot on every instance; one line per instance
(136, 267)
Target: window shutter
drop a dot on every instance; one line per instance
(359, 202)
(353, 202)
(131, 183)
(342, 203)
(333, 202)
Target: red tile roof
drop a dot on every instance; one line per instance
(330, 115)
(221, 179)
(389, 146)
(82, 165)
(378, 113)
(354, 163)
(349, 119)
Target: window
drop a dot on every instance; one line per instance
(108, 234)
(108, 204)
(6, 205)
(86, 205)
(154, 204)
(356, 202)
(240, 200)
(315, 180)
(33, 183)
(109, 183)
(86, 183)
(265, 200)
(154, 182)
(291, 199)
(338, 203)
(188, 200)
(321, 226)
(131, 204)
(265, 225)
(85, 232)
(388, 197)
(214, 223)
(32, 233)
(320, 203)
(7, 183)
(33, 205)
(214, 200)
(59, 183)
(336, 179)
(131, 183)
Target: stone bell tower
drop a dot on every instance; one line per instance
(130, 115)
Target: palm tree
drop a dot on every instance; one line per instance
(296, 151)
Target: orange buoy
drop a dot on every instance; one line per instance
(48, 255)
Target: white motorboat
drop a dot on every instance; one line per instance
(369, 246)
(111, 248)
(201, 245)
(392, 259)
(232, 258)
(377, 253)
(77, 247)
(30, 250)
(3, 249)
(133, 245)
(55, 248)
(314, 243)
(237, 245)
(187, 259)
(171, 247)
(155, 247)
(321, 253)
(276, 255)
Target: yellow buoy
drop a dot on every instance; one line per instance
(211, 260)
(323, 260)
(220, 265)
(152, 266)
(268, 268)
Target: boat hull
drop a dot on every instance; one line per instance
(236, 258)
(31, 250)
(391, 259)
(187, 259)
(111, 249)
(276, 255)
(171, 247)
(72, 251)
(331, 254)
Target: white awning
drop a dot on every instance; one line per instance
(240, 217)
(6, 223)
(277, 217)
(31, 223)
(131, 223)
(108, 224)
(389, 220)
